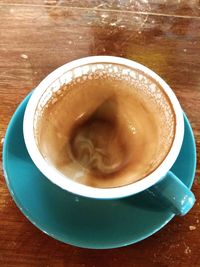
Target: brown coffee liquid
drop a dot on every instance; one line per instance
(104, 132)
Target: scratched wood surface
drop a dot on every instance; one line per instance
(38, 36)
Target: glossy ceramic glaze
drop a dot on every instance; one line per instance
(78, 220)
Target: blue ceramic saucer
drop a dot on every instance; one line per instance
(76, 220)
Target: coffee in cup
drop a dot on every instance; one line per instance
(104, 125)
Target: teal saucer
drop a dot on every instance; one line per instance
(81, 221)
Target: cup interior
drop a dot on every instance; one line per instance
(125, 124)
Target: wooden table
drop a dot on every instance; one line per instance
(36, 37)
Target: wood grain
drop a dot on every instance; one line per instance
(170, 7)
(36, 38)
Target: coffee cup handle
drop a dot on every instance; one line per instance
(174, 193)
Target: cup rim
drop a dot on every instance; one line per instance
(101, 193)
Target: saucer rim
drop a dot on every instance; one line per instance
(28, 214)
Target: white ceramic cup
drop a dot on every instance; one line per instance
(58, 78)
